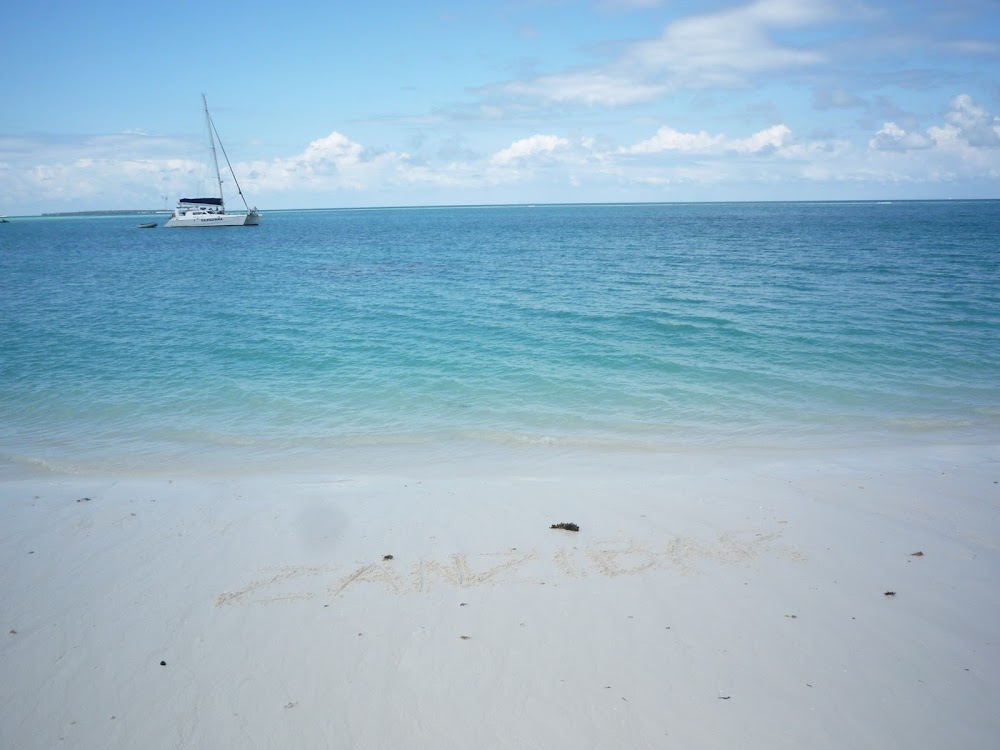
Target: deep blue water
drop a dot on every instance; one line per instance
(659, 327)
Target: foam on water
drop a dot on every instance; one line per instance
(624, 326)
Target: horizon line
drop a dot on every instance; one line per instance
(432, 206)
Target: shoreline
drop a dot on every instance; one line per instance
(702, 603)
(377, 456)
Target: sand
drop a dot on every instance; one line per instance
(727, 600)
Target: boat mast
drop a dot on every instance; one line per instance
(211, 143)
(229, 164)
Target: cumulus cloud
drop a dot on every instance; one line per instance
(762, 141)
(893, 138)
(667, 139)
(126, 171)
(332, 162)
(973, 123)
(335, 148)
(528, 147)
(967, 125)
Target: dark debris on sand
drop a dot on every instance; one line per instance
(565, 526)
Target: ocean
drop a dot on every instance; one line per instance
(322, 337)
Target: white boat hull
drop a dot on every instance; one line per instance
(214, 220)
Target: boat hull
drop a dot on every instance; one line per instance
(214, 220)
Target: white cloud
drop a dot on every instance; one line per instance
(610, 89)
(667, 139)
(762, 141)
(123, 171)
(967, 127)
(973, 123)
(528, 147)
(332, 149)
(724, 49)
(332, 162)
(893, 138)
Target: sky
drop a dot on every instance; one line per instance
(333, 104)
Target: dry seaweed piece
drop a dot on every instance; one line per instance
(386, 557)
(565, 526)
(918, 553)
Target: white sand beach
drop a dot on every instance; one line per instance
(707, 601)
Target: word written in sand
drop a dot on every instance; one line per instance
(608, 559)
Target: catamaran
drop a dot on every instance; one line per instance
(211, 212)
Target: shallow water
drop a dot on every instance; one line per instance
(320, 334)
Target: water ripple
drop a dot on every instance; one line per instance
(629, 325)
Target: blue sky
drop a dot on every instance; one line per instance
(325, 104)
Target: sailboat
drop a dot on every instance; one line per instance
(211, 212)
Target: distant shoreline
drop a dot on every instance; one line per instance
(873, 201)
(116, 212)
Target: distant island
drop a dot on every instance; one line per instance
(111, 213)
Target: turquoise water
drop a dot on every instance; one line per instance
(660, 327)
